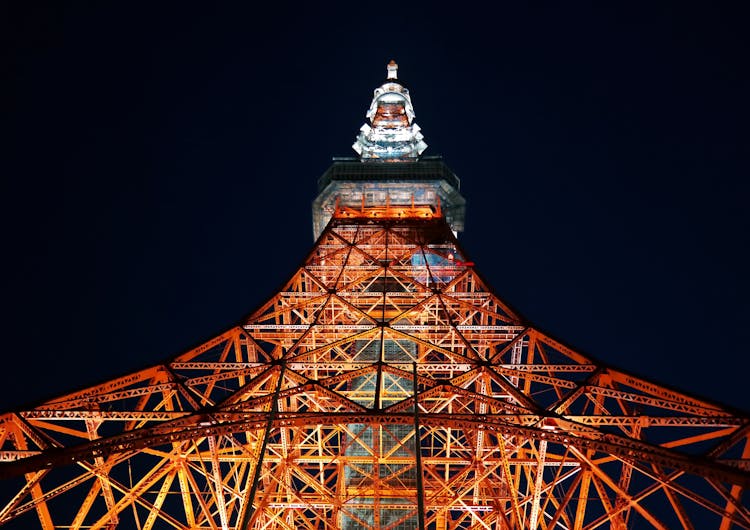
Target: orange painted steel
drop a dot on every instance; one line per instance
(385, 386)
(388, 211)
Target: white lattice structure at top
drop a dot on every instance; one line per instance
(391, 134)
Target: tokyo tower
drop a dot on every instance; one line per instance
(385, 386)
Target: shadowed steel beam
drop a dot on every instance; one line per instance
(418, 453)
(249, 512)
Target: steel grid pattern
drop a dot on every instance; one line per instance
(384, 386)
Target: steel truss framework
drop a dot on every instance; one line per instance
(386, 386)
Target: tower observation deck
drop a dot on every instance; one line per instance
(385, 386)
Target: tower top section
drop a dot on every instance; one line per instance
(369, 190)
(390, 134)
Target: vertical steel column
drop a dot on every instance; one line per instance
(244, 525)
(418, 453)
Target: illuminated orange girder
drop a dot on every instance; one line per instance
(308, 416)
(388, 211)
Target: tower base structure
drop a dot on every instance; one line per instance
(385, 386)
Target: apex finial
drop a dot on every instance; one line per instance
(392, 70)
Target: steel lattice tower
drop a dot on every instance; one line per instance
(385, 386)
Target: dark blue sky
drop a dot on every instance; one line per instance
(162, 161)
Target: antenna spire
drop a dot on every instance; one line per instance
(392, 70)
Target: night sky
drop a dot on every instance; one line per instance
(160, 164)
